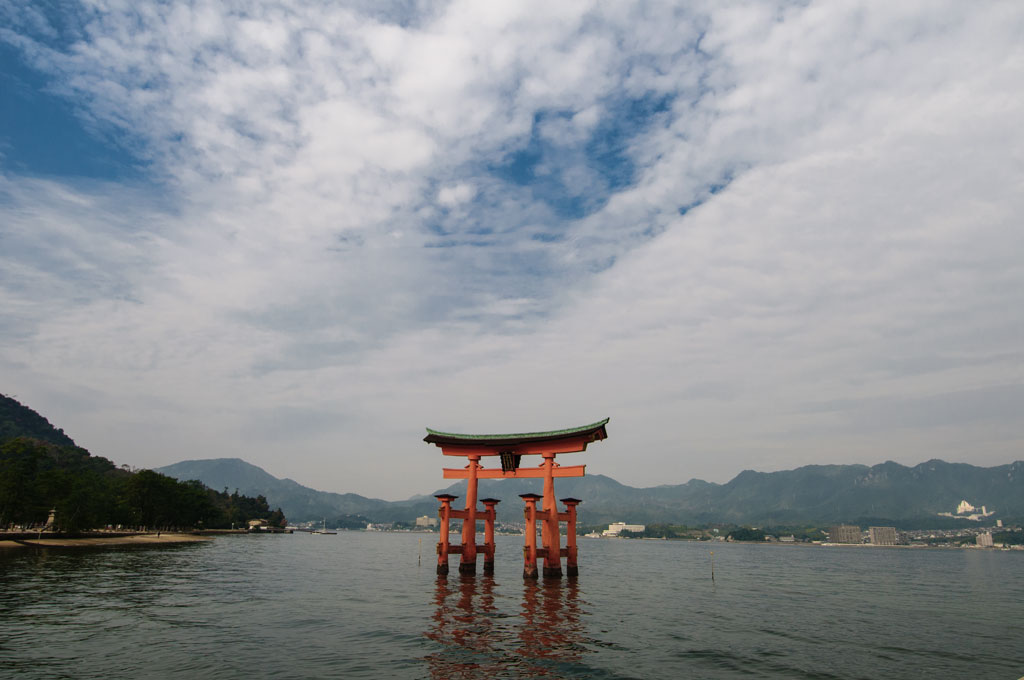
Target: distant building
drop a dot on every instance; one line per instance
(883, 536)
(426, 521)
(984, 540)
(844, 533)
(618, 527)
(787, 539)
(967, 511)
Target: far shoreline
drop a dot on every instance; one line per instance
(819, 544)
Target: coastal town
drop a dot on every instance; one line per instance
(995, 536)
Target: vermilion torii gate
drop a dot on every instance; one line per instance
(510, 448)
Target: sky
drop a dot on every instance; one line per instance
(753, 235)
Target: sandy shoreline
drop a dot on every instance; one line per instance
(99, 541)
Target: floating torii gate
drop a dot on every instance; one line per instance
(510, 449)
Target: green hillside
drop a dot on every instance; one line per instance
(20, 421)
(42, 469)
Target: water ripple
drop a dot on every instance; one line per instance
(358, 605)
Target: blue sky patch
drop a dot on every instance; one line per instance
(690, 206)
(608, 148)
(552, 170)
(42, 134)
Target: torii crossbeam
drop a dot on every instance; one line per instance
(510, 448)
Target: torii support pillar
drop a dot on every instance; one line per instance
(489, 515)
(467, 565)
(530, 534)
(569, 516)
(444, 546)
(549, 529)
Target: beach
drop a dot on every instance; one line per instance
(151, 538)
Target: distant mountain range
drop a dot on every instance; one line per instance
(889, 493)
(299, 503)
(885, 494)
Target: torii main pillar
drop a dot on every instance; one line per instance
(510, 448)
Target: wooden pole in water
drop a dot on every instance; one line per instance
(712, 565)
(419, 558)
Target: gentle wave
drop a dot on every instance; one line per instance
(358, 605)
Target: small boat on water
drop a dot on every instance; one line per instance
(324, 530)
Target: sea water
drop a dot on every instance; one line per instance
(367, 605)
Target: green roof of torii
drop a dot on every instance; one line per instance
(435, 437)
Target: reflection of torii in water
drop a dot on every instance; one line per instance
(510, 448)
(477, 640)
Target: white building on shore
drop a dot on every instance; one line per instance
(618, 527)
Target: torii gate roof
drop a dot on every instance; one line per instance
(593, 432)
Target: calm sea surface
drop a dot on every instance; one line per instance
(358, 605)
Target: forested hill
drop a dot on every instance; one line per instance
(41, 469)
(17, 420)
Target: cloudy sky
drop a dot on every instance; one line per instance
(754, 235)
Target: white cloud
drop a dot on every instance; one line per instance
(456, 194)
(819, 226)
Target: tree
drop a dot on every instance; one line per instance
(90, 491)
(277, 519)
(746, 534)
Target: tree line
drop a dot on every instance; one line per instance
(90, 492)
